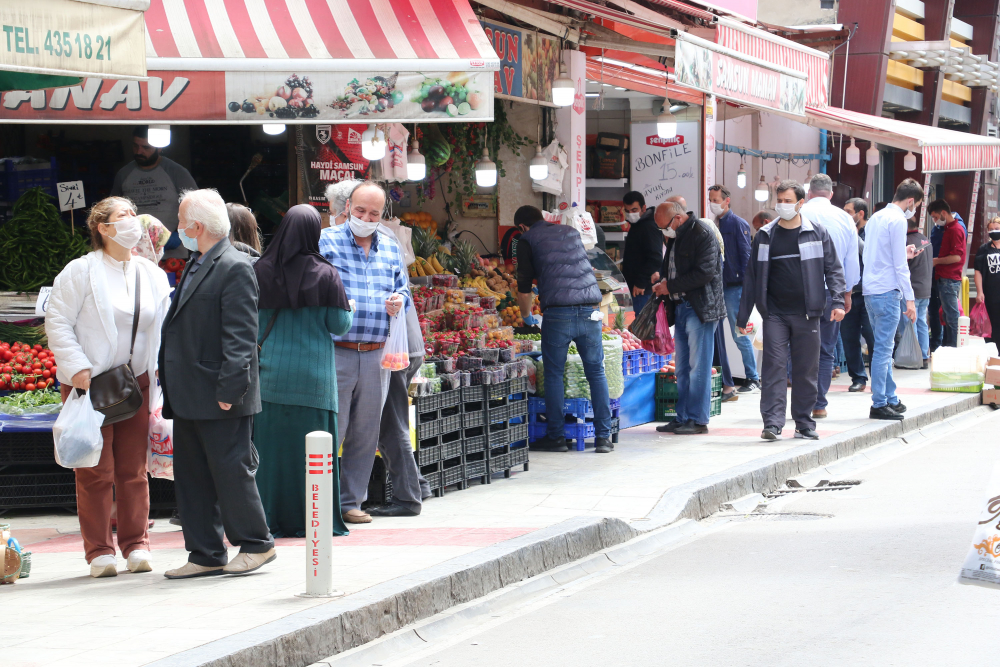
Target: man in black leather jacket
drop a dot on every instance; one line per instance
(690, 280)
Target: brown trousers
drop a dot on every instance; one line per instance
(119, 476)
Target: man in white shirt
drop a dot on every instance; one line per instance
(887, 279)
(841, 229)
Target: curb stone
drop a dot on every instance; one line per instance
(313, 634)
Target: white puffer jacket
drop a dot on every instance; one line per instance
(80, 320)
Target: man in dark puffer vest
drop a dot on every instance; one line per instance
(568, 294)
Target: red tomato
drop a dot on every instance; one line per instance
(37, 366)
(53, 369)
(3, 385)
(8, 369)
(48, 363)
(46, 374)
(37, 348)
(7, 355)
(42, 356)
(29, 387)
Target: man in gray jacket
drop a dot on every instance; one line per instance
(793, 267)
(208, 371)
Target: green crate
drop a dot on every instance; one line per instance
(666, 385)
(716, 408)
(666, 408)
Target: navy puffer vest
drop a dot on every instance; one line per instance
(565, 277)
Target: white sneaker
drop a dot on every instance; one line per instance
(104, 566)
(140, 561)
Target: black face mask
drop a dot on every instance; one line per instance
(995, 234)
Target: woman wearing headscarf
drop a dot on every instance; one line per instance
(302, 302)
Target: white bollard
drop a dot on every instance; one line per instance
(319, 515)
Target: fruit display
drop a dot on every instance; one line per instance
(422, 220)
(173, 265)
(629, 340)
(44, 401)
(396, 361)
(450, 96)
(26, 367)
(373, 95)
(293, 99)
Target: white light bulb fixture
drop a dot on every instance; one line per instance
(741, 177)
(563, 89)
(274, 128)
(373, 143)
(158, 136)
(486, 171)
(872, 156)
(416, 165)
(666, 124)
(853, 154)
(538, 168)
(762, 193)
(909, 161)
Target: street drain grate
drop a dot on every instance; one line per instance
(824, 485)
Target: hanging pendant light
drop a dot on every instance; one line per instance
(373, 143)
(158, 136)
(666, 124)
(486, 171)
(909, 161)
(538, 168)
(741, 177)
(563, 88)
(273, 128)
(853, 154)
(762, 193)
(416, 165)
(872, 156)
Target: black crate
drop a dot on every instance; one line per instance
(499, 463)
(454, 473)
(161, 494)
(453, 447)
(427, 403)
(497, 414)
(450, 423)
(433, 479)
(474, 469)
(517, 407)
(428, 455)
(518, 385)
(430, 428)
(518, 457)
(476, 443)
(497, 392)
(472, 393)
(498, 434)
(47, 486)
(518, 432)
(477, 405)
(27, 449)
(450, 398)
(472, 419)
(379, 484)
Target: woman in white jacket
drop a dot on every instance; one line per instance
(89, 327)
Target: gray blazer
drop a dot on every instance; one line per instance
(208, 352)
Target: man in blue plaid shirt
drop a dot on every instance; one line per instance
(373, 272)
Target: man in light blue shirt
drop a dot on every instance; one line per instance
(887, 279)
(842, 232)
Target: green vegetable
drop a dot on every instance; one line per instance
(47, 401)
(12, 333)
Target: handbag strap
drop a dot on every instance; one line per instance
(267, 329)
(135, 315)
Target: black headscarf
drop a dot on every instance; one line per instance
(291, 273)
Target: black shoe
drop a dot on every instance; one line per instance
(729, 397)
(691, 429)
(603, 445)
(391, 510)
(749, 387)
(669, 427)
(175, 518)
(770, 433)
(898, 407)
(857, 386)
(885, 412)
(547, 444)
(925, 365)
(806, 433)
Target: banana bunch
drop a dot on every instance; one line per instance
(427, 267)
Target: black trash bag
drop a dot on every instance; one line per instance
(644, 324)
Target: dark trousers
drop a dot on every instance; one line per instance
(797, 338)
(216, 489)
(409, 487)
(934, 318)
(721, 357)
(854, 326)
(829, 334)
(993, 310)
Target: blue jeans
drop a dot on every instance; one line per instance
(948, 290)
(883, 311)
(853, 328)
(923, 334)
(829, 333)
(694, 346)
(561, 326)
(733, 296)
(638, 302)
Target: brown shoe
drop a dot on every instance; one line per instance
(245, 563)
(356, 516)
(819, 414)
(191, 570)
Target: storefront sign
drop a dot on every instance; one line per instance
(507, 43)
(709, 136)
(332, 154)
(712, 72)
(479, 206)
(72, 38)
(529, 61)
(571, 131)
(664, 168)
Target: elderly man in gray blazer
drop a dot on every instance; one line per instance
(208, 372)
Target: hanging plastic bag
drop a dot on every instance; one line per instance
(396, 353)
(755, 329)
(908, 354)
(663, 342)
(77, 432)
(982, 564)
(643, 326)
(980, 324)
(160, 453)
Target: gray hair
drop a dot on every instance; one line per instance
(821, 184)
(670, 209)
(338, 193)
(207, 207)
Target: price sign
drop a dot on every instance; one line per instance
(70, 195)
(42, 304)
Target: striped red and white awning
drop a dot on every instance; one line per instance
(247, 35)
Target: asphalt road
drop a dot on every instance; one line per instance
(859, 577)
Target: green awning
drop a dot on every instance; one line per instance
(29, 81)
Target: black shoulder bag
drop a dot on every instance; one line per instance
(115, 393)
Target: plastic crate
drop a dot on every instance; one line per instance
(16, 179)
(428, 455)
(471, 393)
(517, 433)
(474, 444)
(517, 407)
(666, 385)
(497, 392)
(472, 419)
(498, 414)
(433, 480)
(450, 424)
(499, 463)
(52, 488)
(519, 456)
(28, 448)
(518, 385)
(453, 447)
(474, 469)
(450, 398)
(716, 408)
(453, 475)
(581, 408)
(666, 408)
(427, 429)
(427, 403)
(379, 484)
(497, 436)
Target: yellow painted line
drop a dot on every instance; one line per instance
(907, 29)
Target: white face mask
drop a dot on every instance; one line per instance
(362, 228)
(715, 208)
(937, 221)
(786, 211)
(632, 217)
(669, 232)
(127, 232)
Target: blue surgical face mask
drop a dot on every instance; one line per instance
(188, 242)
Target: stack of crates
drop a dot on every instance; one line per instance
(506, 430)
(578, 414)
(18, 175)
(439, 434)
(666, 395)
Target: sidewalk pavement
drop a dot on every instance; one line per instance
(395, 571)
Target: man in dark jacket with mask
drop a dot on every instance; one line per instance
(643, 249)
(690, 280)
(568, 295)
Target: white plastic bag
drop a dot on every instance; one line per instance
(755, 328)
(982, 564)
(160, 452)
(77, 432)
(583, 222)
(396, 353)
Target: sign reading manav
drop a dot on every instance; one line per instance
(507, 43)
(733, 78)
(664, 168)
(529, 61)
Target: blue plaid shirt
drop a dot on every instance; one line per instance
(369, 281)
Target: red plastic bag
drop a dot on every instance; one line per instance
(979, 321)
(662, 342)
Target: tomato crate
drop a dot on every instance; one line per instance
(517, 407)
(433, 481)
(476, 468)
(471, 393)
(428, 455)
(453, 472)
(17, 177)
(450, 398)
